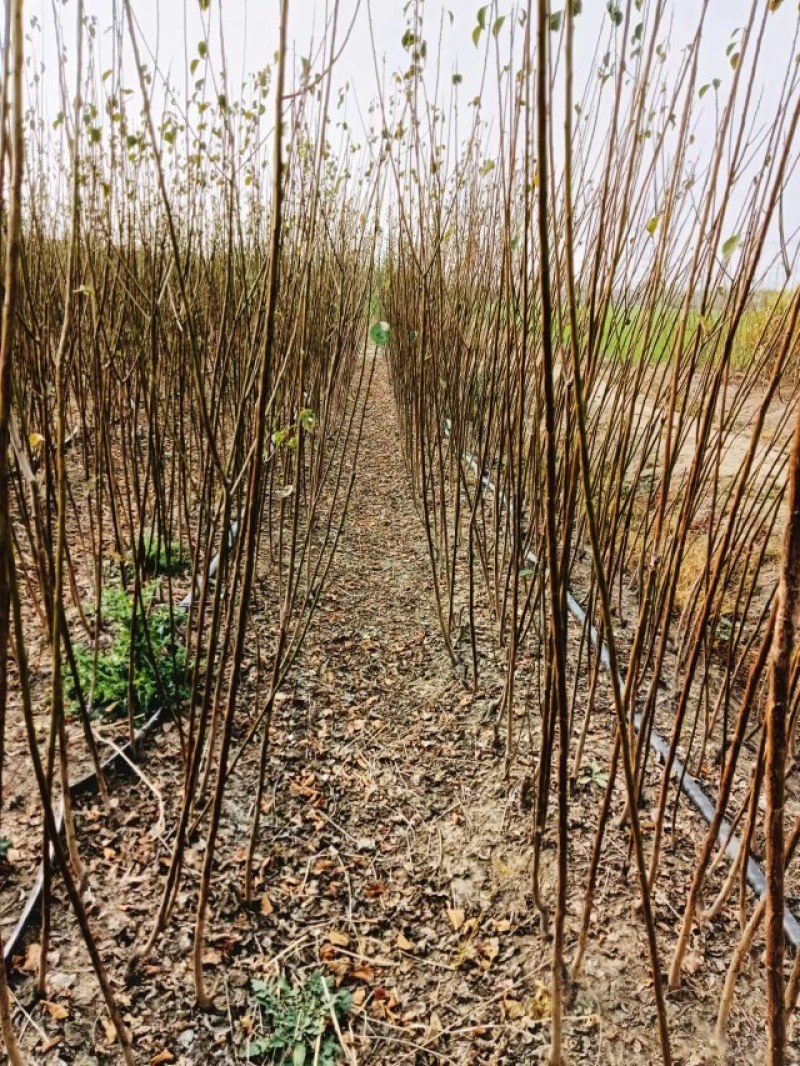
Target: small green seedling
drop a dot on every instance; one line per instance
(159, 660)
(298, 1022)
(593, 775)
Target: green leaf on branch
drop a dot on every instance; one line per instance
(730, 245)
(379, 334)
(615, 13)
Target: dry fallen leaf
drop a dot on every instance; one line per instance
(339, 940)
(404, 943)
(32, 957)
(161, 1057)
(266, 905)
(339, 968)
(56, 1011)
(456, 916)
(435, 1026)
(489, 950)
(539, 1004)
(513, 1009)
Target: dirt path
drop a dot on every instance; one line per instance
(392, 855)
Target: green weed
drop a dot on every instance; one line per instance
(298, 1021)
(162, 557)
(159, 660)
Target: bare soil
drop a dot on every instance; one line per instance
(393, 854)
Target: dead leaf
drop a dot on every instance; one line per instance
(489, 950)
(56, 1011)
(456, 916)
(435, 1026)
(339, 940)
(363, 973)
(339, 968)
(404, 943)
(266, 905)
(539, 1004)
(161, 1057)
(32, 958)
(513, 1009)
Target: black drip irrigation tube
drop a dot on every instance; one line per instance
(688, 784)
(89, 785)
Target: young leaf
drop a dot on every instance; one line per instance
(498, 25)
(379, 334)
(482, 17)
(614, 13)
(555, 21)
(652, 225)
(731, 244)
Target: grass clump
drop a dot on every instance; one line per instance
(297, 1020)
(162, 557)
(158, 662)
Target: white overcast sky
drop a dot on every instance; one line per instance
(251, 33)
(173, 28)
